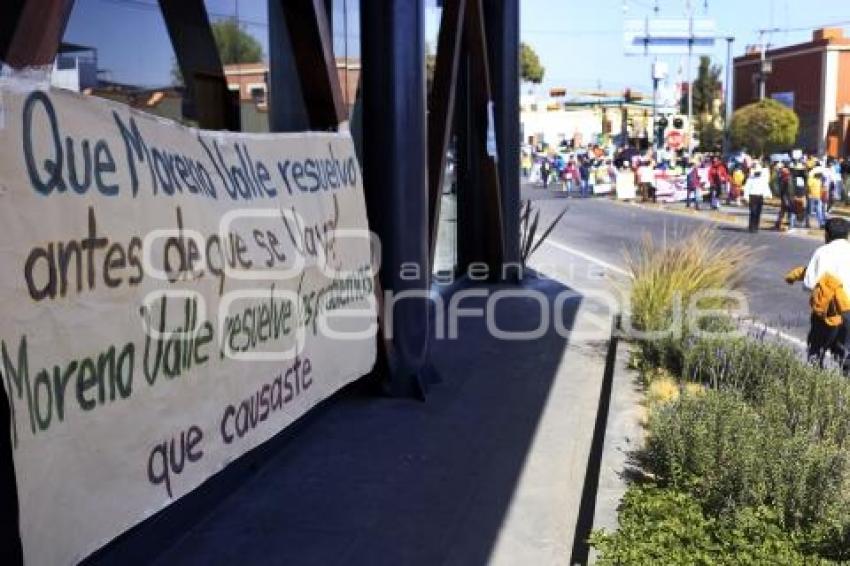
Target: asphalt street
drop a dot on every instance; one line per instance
(601, 230)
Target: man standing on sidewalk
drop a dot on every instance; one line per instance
(756, 189)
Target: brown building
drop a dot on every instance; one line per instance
(251, 80)
(814, 79)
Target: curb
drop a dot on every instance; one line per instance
(587, 509)
(725, 218)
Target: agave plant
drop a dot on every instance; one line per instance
(529, 223)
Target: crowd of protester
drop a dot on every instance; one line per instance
(805, 186)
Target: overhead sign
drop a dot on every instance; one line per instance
(171, 299)
(784, 98)
(669, 36)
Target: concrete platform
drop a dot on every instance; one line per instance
(488, 471)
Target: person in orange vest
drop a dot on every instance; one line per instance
(827, 276)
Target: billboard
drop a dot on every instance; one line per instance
(784, 98)
(669, 36)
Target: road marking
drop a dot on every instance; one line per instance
(759, 326)
(590, 258)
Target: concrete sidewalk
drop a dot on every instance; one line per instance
(489, 469)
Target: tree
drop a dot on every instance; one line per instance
(764, 127)
(235, 45)
(706, 88)
(708, 124)
(530, 69)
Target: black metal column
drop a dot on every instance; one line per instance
(208, 98)
(31, 30)
(287, 110)
(394, 175)
(501, 18)
(470, 220)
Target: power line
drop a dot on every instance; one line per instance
(570, 32)
(153, 7)
(806, 28)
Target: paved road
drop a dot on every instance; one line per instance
(603, 229)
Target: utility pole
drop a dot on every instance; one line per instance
(728, 117)
(765, 66)
(659, 73)
(690, 84)
(762, 78)
(654, 103)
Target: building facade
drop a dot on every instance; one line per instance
(813, 79)
(251, 80)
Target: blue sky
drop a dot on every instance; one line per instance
(579, 42)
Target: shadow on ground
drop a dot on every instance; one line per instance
(371, 480)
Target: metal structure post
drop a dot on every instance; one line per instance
(208, 99)
(287, 110)
(501, 18)
(395, 178)
(31, 30)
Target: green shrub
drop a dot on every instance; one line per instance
(713, 446)
(669, 274)
(665, 526)
(810, 402)
(739, 364)
(666, 277)
(729, 455)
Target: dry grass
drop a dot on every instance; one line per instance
(679, 267)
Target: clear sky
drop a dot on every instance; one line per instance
(580, 42)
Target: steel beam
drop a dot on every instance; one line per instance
(31, 30)
(441, 108)
(395, 178)
(309, 30)
(287, 109)
(480, 226)
(501, 18)
(208, 99)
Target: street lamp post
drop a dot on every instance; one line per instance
(659, 73)
(765, 66)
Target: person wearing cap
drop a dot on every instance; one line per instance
(756, 189)
(827, 277)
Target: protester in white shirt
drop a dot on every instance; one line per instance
(646, 179)
(756, 189)
(831, 259)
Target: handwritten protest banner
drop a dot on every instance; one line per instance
(171, 298)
